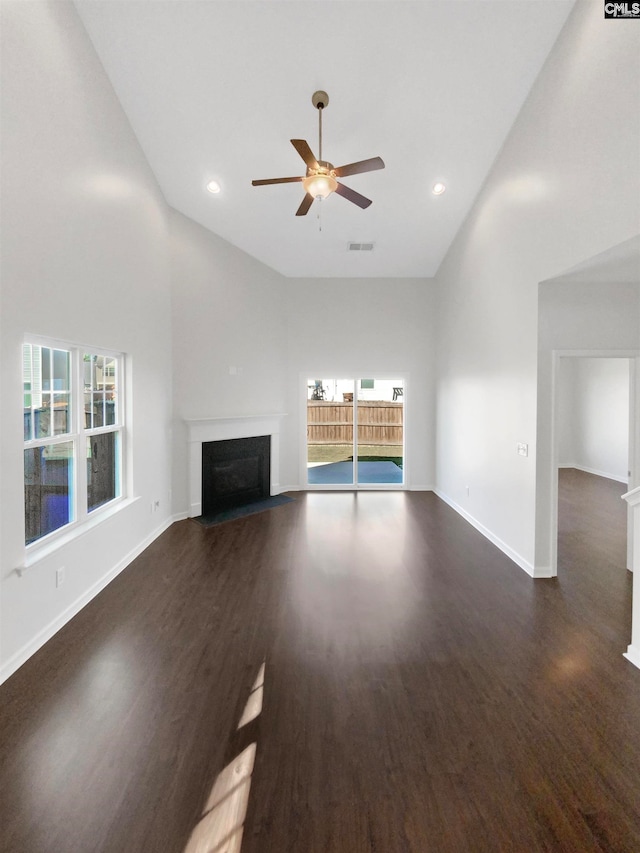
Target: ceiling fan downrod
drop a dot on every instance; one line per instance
(320, 100)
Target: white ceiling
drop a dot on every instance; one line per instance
(216, 89)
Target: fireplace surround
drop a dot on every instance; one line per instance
(202, 430)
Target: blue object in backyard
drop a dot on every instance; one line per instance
(341, 473)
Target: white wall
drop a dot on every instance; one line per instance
(363, 328)
(228, 314)
(593, 420)
(84, 260)
(563, 188)
(230, 311)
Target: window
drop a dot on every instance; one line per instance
(73, 435)
(366, 384)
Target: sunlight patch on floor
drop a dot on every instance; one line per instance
(254, 703)
(221, 826)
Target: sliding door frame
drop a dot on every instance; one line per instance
(355, 486)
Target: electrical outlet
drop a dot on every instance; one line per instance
(523, 449)
(156, 506)
(60, 576)
(467, 490)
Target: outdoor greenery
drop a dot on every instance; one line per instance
(343, 452)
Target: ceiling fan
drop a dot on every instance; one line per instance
(320, 180)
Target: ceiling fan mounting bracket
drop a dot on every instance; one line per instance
(320, 100)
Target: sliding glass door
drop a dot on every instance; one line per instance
(380, 440)
(330, 433)
(355, 433)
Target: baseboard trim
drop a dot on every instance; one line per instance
(543, 572)
(45, 634)
(586, 470)
(303, 489)
(495, 540)
(633, 655)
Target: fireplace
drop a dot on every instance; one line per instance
(203, 430)
(235, 472)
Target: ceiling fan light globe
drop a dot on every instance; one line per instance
(320, 186)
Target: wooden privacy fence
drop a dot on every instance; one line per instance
(379, 422)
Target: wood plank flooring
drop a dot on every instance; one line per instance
(421, 693)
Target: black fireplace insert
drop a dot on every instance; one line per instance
(235, 472)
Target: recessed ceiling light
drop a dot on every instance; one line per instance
(213, 187)
(438, 188)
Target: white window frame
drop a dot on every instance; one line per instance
(78, 435)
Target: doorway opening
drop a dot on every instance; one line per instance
(593, 417)
(355, 433)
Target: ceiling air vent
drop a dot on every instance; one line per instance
(359, 247)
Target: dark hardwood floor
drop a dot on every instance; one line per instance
(421, 692)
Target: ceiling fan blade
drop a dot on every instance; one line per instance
(275, 181)
(352, 195)
(302, 147)
(361, 166)
(307, 201)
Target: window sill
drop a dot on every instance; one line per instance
(37, 552)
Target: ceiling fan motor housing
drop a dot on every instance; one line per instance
(324, 168)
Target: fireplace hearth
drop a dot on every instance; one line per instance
(235, 472)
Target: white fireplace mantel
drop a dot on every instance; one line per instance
(200, 430)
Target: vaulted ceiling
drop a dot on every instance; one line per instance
(216, 89)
